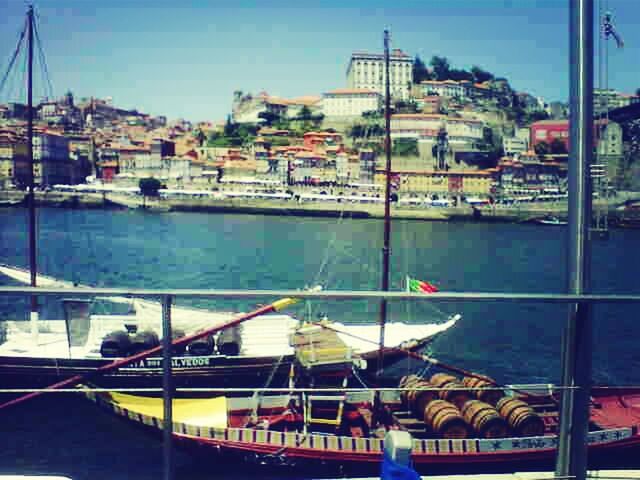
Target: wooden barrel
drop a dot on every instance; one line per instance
(478, 385)
(453, 392)
(116, 344)
(416, 400)
(230, 341)
(444, 418)
(202, 346)
(144, 340)
(484, 419)
(180, 349)
(521, 417)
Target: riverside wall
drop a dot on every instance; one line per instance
(293, 208)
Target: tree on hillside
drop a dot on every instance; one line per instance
(149, 186)
(305, 114)
(441, 67)
(542, 148)
(637, 92)
(405, 147)
(229, 127)
(201, 137)
(557, 146)
(458, 75)
(480, 75)
(268, 117)
(420, 71)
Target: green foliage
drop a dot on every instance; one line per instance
(229, 127)
(459, 75)
(279, 142)
(149, 186)
(402, 106)
(542, 148)
(304, 114)
(557, 146)
(420, 71)
(235, 135)
(201, 137)
(441, 67)
(373, 114)
(366, 131)
(268, 117)
(405, 147)
(480, 75)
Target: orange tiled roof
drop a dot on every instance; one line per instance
(351, 91)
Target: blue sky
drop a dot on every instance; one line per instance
(185, 58)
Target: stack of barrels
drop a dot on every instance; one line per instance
(454, 409)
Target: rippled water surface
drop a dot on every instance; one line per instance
(511, 342)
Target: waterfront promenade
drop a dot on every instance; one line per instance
(497, 213)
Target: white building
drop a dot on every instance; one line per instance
(446, 88)
(513, 145)
(347, 102)
(462, 133)
(367, 71)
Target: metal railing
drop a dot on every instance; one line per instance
(167, 296)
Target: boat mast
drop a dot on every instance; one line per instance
(30, 194)
(387, 207)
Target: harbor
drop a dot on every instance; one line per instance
(526, 212)
(305, 332)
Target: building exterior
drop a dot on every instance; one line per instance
(514, 145)
(557, 110)
(443, 184)
(610, 152)
(314, 140)
(605, 100)
(532, 176)
(549, 130)
(463, 133)
(446, 88)
(430, 104)
(51, 151)
(346, 102)
(367, 71)
(312, 168)
(13, 151)
(367, 165)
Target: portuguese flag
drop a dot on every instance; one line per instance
(414, 285)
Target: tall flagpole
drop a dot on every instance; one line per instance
(30, 194)
(387, 207)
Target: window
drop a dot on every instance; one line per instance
(541, 134)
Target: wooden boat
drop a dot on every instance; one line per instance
(249, 355)
(517, 433)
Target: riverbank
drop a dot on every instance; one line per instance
(293, 208)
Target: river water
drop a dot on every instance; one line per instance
(510, 342)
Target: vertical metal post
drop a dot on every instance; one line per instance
(167, 386)
(30, 176)
(387, 199)
(577, 341)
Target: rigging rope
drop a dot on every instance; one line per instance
(13, 57)
(43, 63)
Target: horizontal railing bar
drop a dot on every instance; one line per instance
(329, 294)
(531, 388)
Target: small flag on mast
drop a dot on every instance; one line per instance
(414, 285)
(609, 31)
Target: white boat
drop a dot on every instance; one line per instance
(265, 345)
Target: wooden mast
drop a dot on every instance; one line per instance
(387, 207)
(30, 194)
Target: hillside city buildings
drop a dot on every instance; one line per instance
(451, 139)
